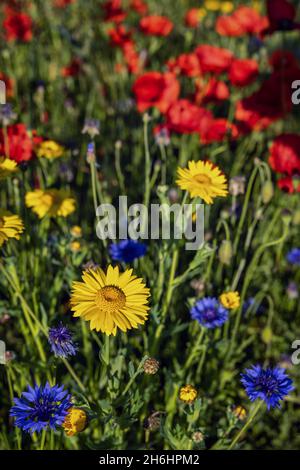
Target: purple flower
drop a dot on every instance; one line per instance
(209, 312)
(61, 341)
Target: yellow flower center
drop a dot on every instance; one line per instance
(75, 421)
(202, 179)
(110, 298)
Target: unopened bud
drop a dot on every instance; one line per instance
(151, 366)
(267, 191)
(225, 252)
(198, 437)
(267, 335)
(152, 423)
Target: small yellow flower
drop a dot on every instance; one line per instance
(188, 394)
(227, 7)
(75, 246)
(50, 150)
(240, 413)
(11, 226)
(202, 179)
(230, 300)
(50, 202)
(212, 5)
(76, 231)
(110, 300)
(201, 13)
(75, 421)
(7, 167)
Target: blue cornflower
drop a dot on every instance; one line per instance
(270, 384)
(293, 256)
(61, 341)
(41, 407)
(127, 250)
(209, 312)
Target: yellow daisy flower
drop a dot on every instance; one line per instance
(230, 300)
(50, 150)
(75, 246)
(7, 167)
(227, 7)
(51, 202)
(76, 231)
(75, 421)
(110, 301)
(188, 394)
(202, 179)
(11, 226)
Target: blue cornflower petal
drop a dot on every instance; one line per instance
(127, 250)
(293, 256)
(270, 385)
(61, 341)
(209, 312)
(41, 407)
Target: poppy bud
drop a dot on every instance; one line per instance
(225, 252)
(267, 192)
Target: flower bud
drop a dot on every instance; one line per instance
(225, 252)
(151, 366)
(152, 423)
(267, 191)
(198, 437)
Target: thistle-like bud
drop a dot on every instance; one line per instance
(198, 437)
(152, 423)
(267, 191)
(225, 252)
(151, 366)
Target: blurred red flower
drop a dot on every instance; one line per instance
(139, 6)
(113, 11)
(192, 17)
(288, 185)
(281, 14)
(73, 69)
(213, 91)
(186, 118)
(119, 36)
(17, 26)
(132, 58)
(156, 25)
(214, 59)
(245, 20)
(185, 64)
(156, 89)
(19, 144)
(217, 131)
(242, 72)
(285, 154)
(260, 109)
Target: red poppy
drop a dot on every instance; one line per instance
(250, 20)
(213, 91)
(192, 18)
(156, 89)
(285, 154)
(113, 11)
(214, 59)
(73, 69)
(17, 26)
(186, 64)
(119, 36)
(283, 60)
(9, 84)
(186, 118)
(229, 26)
(156, 25)
(281, 14)
(139, 6)
(288, 185)
(243, 72)
(20, 145)
(217, 131)
(260, 109)
(132, 58)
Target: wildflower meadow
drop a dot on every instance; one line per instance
(149, 225)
